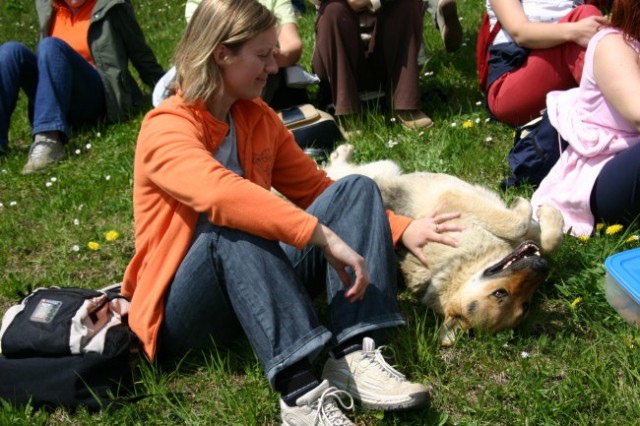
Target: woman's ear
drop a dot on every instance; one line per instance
(221, 55)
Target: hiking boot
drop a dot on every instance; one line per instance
(449, 24)
(318, 407)
(414, 119)
(45, 150)
(367, 376)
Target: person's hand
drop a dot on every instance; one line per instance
(340, 256)
(586, 28)
(433, 229)
(359, 5)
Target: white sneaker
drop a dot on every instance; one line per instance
(45, 150)
(369, 378)
(318, 407)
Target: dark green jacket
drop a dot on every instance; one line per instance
(115, 38)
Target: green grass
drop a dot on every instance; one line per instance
(568, 364)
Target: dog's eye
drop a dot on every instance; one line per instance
(501, 293)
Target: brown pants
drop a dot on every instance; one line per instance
(388, 63)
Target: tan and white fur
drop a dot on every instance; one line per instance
(488, 281)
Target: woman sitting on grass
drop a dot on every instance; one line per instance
(215, 247)
(597, 177)
(539, 48)
(78, 75)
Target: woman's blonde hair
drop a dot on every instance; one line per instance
(215, 22)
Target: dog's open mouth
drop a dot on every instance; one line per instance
(527, 254)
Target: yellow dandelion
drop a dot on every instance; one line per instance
(111, 235)
(467, 124)
(576, 302)
(599, 227)
(629, 341)
(632, 239)
(93, 245)
(613, 229)
(583, 238)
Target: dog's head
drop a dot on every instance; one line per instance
(498, 297)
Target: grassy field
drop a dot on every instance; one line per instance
(573, 362)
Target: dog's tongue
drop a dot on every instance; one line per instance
(525, 250)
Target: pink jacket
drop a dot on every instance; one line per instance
(595, 133)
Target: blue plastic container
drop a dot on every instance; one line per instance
(622, 284)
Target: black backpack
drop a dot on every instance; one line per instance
(536, 148)
(67, 347)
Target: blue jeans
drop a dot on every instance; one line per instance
(229, 277)
(61, 86)
(615, 197)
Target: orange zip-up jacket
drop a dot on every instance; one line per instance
(176, 178)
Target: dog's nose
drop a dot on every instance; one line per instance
(540, 265)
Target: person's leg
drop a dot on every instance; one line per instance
(353, 209)
(19, 70)
(398, 37)
(444, 14)
(229, 274)
(338, 54)
(69, 89)
(512, 98)
(615, 197)
(230, 280)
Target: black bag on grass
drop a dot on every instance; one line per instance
(315, 131)
(67, 347)
(536, 148)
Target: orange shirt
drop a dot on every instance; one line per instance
(74, 30)
(176, 177)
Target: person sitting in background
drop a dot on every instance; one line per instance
(445, 18)
(597, 177)
(277, 92)
(78, 75)
(539, 48)
(216, 248)
(388, 61)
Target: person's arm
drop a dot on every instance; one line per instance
(138, 51)
(617, 72)
(289, 45)
(430, 229)
(340, 256)
(542, 35)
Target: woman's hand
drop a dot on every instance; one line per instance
(340, 256)
(583, 30)
(430, 229)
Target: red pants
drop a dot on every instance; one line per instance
(340, 58)
(517, 97)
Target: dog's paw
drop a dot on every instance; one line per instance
(449, 330)
(343, 153)
(551, 227)
(523, 212)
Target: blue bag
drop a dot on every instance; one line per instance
(536, 148)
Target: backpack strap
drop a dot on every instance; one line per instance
(484, 42)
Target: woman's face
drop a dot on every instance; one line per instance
(245, 74)
(75, 4)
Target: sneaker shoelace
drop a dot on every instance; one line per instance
(328, 409)
(379, 360)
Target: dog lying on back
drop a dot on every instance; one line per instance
(488, 281)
